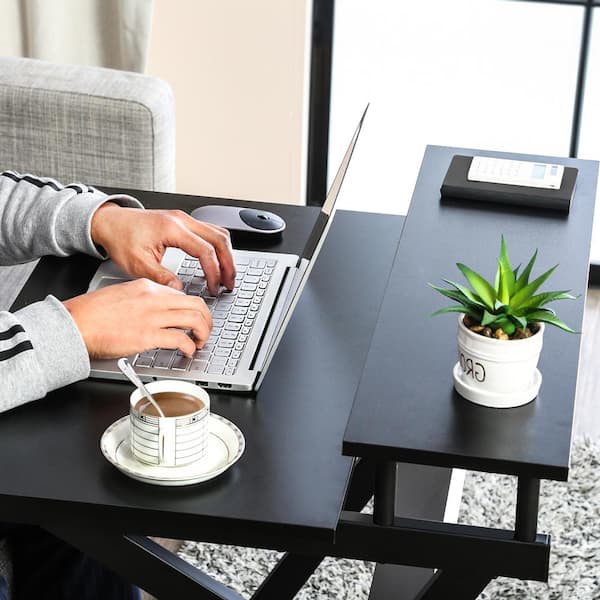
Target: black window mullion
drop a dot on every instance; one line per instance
(584, 51)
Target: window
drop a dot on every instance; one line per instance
(490, 74)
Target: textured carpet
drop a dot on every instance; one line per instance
(244, 569)
(569, 511)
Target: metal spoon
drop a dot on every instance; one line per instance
(128, 371)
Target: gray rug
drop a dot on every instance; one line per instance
(570, 512)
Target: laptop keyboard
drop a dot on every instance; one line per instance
(234, 313)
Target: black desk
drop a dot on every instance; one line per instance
(406, 409)
(293, 489)
(287, 490)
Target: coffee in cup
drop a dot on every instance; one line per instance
(178, 438)
(172, 404)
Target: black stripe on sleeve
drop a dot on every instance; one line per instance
(39, 183)
(22, 347)
(11, 332)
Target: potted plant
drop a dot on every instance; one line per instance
(500, 332)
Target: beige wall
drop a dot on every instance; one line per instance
(238, 70)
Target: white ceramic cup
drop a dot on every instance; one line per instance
(169, 441)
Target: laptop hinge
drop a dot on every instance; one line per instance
(292, 285)
(286, 291)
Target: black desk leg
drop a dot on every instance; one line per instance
(145, 563)
(385, 492)
(458, 585)
(469, 583)
(293, 570)
(287, 577)
(421, 493)
(528, 499)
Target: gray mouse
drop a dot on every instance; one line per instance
(244, 220)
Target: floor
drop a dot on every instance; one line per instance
(587, 415)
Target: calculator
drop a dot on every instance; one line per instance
(535, 184)
(516, 172)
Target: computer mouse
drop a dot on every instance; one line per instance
(253, 221)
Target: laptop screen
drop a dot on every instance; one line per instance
(314, 245)
(319, 231)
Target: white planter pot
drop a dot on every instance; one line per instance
(497, 373)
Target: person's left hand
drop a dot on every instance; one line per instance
(137, 239)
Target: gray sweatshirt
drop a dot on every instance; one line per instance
(41, 348)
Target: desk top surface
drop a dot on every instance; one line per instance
(406, 408)
(292, 477)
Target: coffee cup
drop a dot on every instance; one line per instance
(178, 438)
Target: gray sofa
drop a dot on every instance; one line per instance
(98, 126)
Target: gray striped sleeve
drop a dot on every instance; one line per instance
(39, 216)
(40, 350)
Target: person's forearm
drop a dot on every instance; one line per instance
(39, 216)
(41, 349)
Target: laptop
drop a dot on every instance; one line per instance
(248, 321)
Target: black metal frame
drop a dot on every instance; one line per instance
(584, 51)
(467, 557)
(319, 101)
(320, 90)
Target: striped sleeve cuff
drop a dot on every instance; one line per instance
(67, 209)
(59, 349)
(13, 341)
(74, 223)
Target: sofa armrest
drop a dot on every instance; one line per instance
(89, 124)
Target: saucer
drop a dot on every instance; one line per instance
(496, 399)
(225, 446)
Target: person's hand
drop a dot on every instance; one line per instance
(131, 317)
(137, 239)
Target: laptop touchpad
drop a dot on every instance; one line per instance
(106, 281)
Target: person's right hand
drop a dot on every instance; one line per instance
(136, 241)
(126, 318)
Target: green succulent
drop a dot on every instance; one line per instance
(510, 303)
